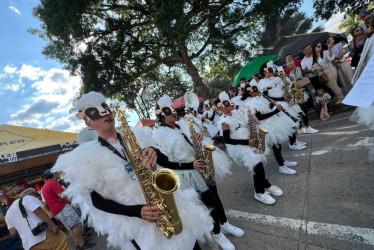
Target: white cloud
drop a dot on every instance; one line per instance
(333, 23)
(10, 69)
(15, 10)
(31, 72)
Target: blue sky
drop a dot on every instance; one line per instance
(35, 91)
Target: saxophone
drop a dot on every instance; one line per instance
(202, 152)
(297, 91)
(157, 188)
(254, 134)
(288, 93)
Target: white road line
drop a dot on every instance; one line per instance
(340, 232)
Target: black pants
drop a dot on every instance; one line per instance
(292, 139)
(260, 182)
(277, 151)
(304, 116)
(211, 199)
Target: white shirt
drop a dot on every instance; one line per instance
(253, 82)
(263, 84)
(307, 63)
(15, 220)
(326, 61)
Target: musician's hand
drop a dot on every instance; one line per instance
(297, 95)
(253, 142)
(257, 121)
(198, 164)
(200, 137)
(287, 98)
(280, 108)
(150, 214)
(150, 157)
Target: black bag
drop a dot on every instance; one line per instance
(41, 227)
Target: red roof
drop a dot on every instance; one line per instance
(145, 123)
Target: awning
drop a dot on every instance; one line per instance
(23, 148)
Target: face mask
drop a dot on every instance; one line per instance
(95, 113)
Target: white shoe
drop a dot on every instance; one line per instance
(310, 130)
(296, 146)
(223, 242)
(300, 143)
(274, 190)
(286, 170)
(265, 198)
(290, 164)
(227, 228)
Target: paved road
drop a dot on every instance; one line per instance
(328, 204)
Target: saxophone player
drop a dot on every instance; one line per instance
(181, 157)
(103, 183)
(236, 135)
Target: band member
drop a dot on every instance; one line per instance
(278, 128)
(181, 155)
(104, 185)
(207, 119)
(276, 90)
(236, 135)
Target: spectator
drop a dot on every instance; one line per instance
(343, 67)
(51, 238)
(61, 209)
(322, 98)
(288, 59)
(7, 241)
(306, 66)
(322, 62)
(356, 45)
(365, 16)
(232, 92)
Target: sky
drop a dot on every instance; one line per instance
(37, 92)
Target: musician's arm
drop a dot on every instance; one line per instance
(163, 161)
(261, 116)
(113, 207)
(228, 140)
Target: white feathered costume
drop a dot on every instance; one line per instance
(278, 128)
(239, 130)
(92, 166)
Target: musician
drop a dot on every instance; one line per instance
(182, 158)
(207, 119)
(278, 128)
(104, 184)
(236, 134)
(276, 91)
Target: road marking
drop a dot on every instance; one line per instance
(340, 232)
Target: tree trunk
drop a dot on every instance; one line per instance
(202, 90)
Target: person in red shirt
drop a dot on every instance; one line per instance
(61, 208)
(287, 70)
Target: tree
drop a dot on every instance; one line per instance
(350, 22)
(326, 8)
(114, 43)
(288, 25)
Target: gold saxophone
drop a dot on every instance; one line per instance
(288, 93)
(157, 188)
(259, 136)
(202, 152)
(297, 92)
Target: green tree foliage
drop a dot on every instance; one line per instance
(350, 22)
(117, 46)
(326, 8)
(288, 25)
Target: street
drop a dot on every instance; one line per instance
(328, 204)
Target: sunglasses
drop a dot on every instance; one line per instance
(357, 30)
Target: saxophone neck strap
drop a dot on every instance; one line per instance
(105, 143)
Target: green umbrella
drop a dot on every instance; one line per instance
(251, 68)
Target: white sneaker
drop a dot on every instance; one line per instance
(310, 130)
(300, 143)
(223, 242)
(227, 228)
(290, 164)
(296, 146)
(286, 170)
(265, 198)
(274, 190)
